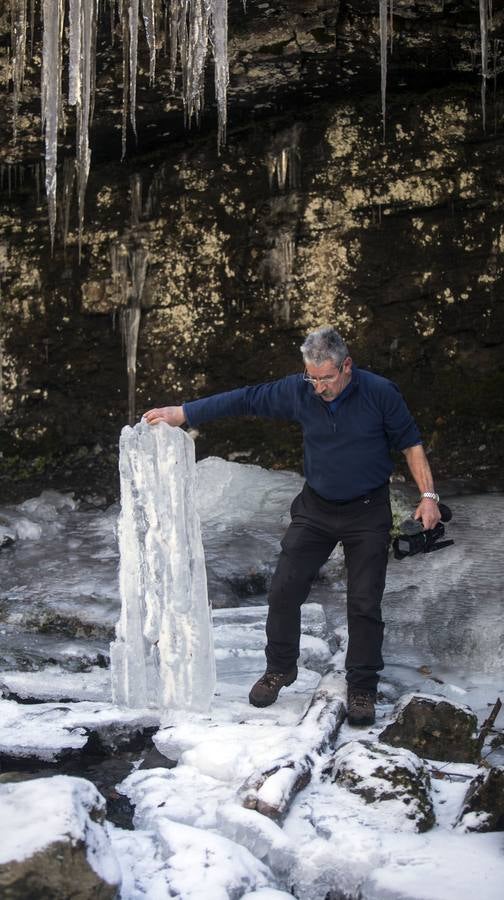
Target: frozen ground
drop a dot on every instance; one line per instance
(192, 838)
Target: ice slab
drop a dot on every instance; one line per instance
(54, 683)
(163, 656)
(48, 731)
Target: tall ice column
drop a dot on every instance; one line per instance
(163, 654)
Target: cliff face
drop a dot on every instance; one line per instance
(306, 217)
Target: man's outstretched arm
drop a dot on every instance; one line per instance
(427, 510)
(273, 399)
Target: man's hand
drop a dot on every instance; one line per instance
(173, 415)
(428, 511)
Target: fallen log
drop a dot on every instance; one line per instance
(271, 791)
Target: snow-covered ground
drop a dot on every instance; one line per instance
(193, 838)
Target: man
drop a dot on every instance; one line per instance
(350, 419)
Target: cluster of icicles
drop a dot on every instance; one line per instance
(195, 26)
(386, 18)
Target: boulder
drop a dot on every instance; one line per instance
(56, 845)
(396, 780)
(435, 728)
(483, 806)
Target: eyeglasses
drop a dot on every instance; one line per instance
(324, 380)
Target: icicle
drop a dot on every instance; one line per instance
(133, 59)
(74, 54)
(129, 271)
(139, 263)
(220, 18)
(18, 29)
(130, 320)
(94, 27)
(81, 90)
(66, 204)
(193, 51)
(51, 93)
(284, 161)
(136, 200)
(112, 10)
(125, 68)
(130, 327)
(497, 44)
(383, 57)
(177, 15)
(32, 25)
(483, 10)
(149, 17)
(165, 30)
(119, 267)
(37, 182)
(278, 265)
(282, 168)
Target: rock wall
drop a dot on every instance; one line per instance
(306, 218)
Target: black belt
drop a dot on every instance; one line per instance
(369, 494)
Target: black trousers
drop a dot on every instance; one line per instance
(363, 526)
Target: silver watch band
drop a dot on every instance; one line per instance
(431, 495)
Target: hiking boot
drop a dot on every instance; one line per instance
(265, 691)
(361, 707)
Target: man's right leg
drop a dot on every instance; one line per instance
(305, 548)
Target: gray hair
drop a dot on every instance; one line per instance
(323, 345)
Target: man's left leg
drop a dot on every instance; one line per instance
(365, 542)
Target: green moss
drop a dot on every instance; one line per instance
(20, 469)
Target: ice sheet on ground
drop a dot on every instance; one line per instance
(332, 844)
(39, 812)
(447, 606)
(69, 573)
(31, 651)
(239, 649)
(73, 574)
(47, 730)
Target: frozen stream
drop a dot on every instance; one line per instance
(59, 603)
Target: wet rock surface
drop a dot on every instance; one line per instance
(483, 807)
(434, 728)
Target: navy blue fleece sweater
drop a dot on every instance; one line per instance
(346, 449)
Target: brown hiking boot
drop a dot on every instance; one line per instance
(266, 690)
(360, 707)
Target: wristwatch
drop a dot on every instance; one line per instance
(431, 495)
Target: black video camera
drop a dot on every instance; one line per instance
(414, 538)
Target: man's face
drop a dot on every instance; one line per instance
(329, 380)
